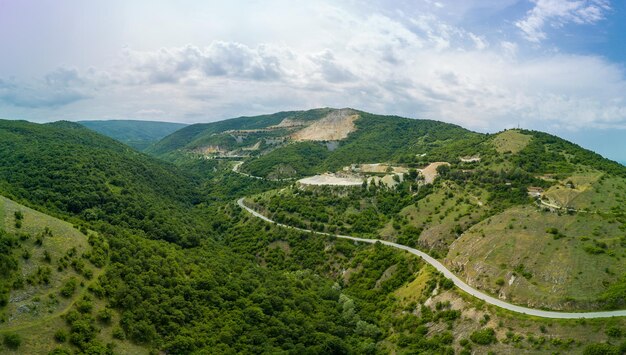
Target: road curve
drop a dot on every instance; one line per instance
(457, 281)
(236, 170)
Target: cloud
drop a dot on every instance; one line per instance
(557, 13)
(219, 59)
(330, 70)
(56, 89)
(415, 65)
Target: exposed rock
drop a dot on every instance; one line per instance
(335, 126)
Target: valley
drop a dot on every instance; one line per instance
(351, 233)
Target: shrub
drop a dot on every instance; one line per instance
(105, 315)
(601, 349)
(60, 336)
(447, 284)
(614, 332)
(118, 333)
(484, 336)
(12, 340)
(68, 288)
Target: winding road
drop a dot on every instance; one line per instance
(457, 281)
(236, 170)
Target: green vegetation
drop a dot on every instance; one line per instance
(69, 170)
(511, 141)
(296, 159)
(353, 210)
(377, 138)
(484, 336)
(113, 251)
(137, 134)
(12, 341)
(197, 135)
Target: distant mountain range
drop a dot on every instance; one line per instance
(137, 134)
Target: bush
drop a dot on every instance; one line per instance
(614, 332)
(60, 351)
(118, 333)
(60, 336)
(105, 315)
(12, 340)
(68, 288)
(447, 284)
(484, 336)
(601, 349)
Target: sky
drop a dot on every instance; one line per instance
(487, 65)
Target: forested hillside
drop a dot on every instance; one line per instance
(67, 169)
(137, 134)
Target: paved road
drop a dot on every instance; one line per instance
(457, 281)
(236, 170)
(238, 165)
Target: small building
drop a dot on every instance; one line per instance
(535, 191)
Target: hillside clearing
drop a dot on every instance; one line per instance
(335, 126)
(511, 141)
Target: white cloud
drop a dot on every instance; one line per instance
(557, 13)
(417, 66)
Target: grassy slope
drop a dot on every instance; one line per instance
(137, 134)
(65, 237)
(444, 214)
(511, 141)
(561, 274)
(35, 311)
(570, 272)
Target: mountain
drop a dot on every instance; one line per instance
(137, 134)
(104, 249)
(299, 143)
(142, 264)
(489, 176)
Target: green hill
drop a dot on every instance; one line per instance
(204, 134)
(48, 267)
(283, 147)
(137, 134)
(70, 170)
